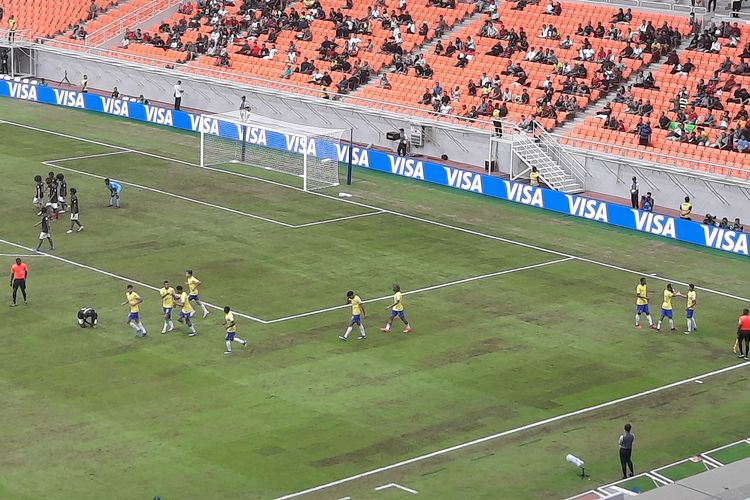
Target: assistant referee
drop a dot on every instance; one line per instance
(743, 333)
(18, 274)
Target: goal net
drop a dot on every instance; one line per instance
(244, 137)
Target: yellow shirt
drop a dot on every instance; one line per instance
(186, 307)
(356, 303)
(167, 297)
(641, 291)
(667, 304)
(229, 318)
(193, 283)
(534, 178)
(133, 299)
(691, 296)
(399, 303)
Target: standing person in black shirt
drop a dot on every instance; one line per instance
(62, 191)
(626, 450)
(52, 194)
(74, 211)
(45, 233)
(38, 200)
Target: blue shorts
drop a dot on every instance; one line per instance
(395, 313)
(185, 315)
(689, 313)
(133, 317)
(194, 297)
(642, 309)
(355, 320)
(230, 336)
(167, 310)
(666, 313)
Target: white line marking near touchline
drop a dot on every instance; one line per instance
(516, 430)
(86, 157)
(426, 289)
(21, 255)
(119, 277)
(398, 486)
(338, 219)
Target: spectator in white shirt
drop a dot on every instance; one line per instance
(177, 93)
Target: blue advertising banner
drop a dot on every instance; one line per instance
(577, 206)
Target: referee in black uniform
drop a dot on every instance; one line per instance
(626, 450)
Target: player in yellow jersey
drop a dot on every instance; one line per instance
(692, 301)
(641, 304)
(358, 314)
(666, 306)
(187, 311)
(167, 304)
(193, 283)
(133, 300)
(231, 327)
(397, 309)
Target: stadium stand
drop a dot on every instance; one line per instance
(47, 19)
(698, 112)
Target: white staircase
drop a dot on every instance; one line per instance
(557, 168)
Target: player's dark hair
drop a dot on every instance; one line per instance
(397, 287)
(628, 427)
(73, 190)
(746, 311)
(350, 293)
(51, 173)
(226, 309)
(179, 288)
(189, 271)
(60, 177)
(18, 260)
(129, 287)
(691, 286)
(38, 178)
(166, 282)
(49, 181)
(106, 180)
(643, 279)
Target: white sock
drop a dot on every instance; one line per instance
(204, 308)
(637, 320)
(671, 323)
(658, 325)
(408, 325)
(143, 328)
(134, 326)
(164, 328)
(191, 329)
(695, 325)
(229, 346)
(362, 330)
(689, 325)
(171, 324)
(237, 339)
(650, 321)
(387, 327)
(348, 331)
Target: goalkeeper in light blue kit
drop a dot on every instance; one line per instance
(114, 192)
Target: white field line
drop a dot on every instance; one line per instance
(338, 219)
(121, 278)
(173, 195)
(398, 486)
(385, 211)
(515, 430)
(426, 289)
(21, 255)
(85, 157)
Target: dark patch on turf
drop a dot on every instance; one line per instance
(737, 381)
(530, 442)
(483, 456)
(573, 429)
(433, 471)
(697, 393)
(407, 442)
(268, 451)
(477, 349)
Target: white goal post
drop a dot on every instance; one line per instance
(259, 141)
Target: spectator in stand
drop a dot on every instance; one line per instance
(634, 188)
(736, 226)
(93, 10)
(644, 134)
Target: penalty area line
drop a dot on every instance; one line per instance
(426, 289)
(119, 277)
(533, 425)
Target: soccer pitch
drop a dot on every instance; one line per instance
(522, 334)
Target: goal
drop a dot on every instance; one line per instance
(255, 140)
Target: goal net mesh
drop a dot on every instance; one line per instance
(306, 152)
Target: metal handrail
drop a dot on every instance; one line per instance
(699, 167)
(19, 36)
(129, 20)
(560, 155)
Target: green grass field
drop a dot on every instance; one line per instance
(519, 316)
